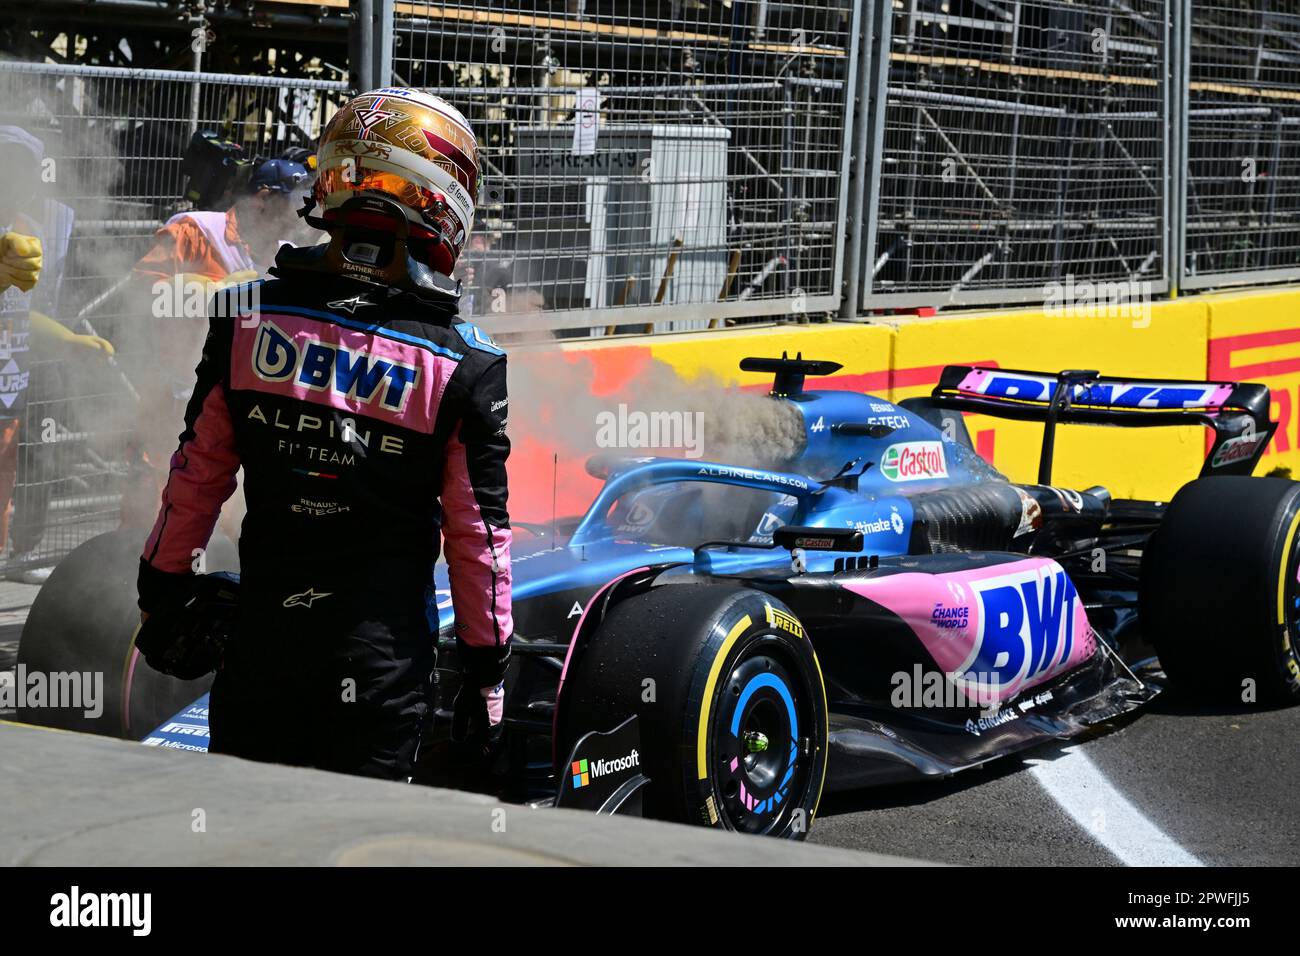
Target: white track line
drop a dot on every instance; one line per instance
(1083, 791)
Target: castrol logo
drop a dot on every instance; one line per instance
(914, 461)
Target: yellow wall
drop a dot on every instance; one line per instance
(1255, 337)
(1252, 336)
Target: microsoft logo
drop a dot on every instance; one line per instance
(584, 770)
(581, 777)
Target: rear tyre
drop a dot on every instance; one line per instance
(84, 620)
(730, 701)
(1220, 598)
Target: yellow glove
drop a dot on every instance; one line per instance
(46, 330)
(238, 278)
(94, 343)
(20, 261)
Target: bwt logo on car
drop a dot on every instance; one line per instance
(913, 461)
(1026, 624)
(585, 770)
(1106, 394)
(322, 366)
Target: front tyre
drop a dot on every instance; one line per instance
(730, 701)
(1220, 598)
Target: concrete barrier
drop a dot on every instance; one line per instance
(77, 800)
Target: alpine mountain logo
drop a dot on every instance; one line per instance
(914, 461)
(1026, 625)
(325, 367)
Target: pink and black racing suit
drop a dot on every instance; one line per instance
(368, 423)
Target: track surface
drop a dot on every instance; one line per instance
(1174, 785)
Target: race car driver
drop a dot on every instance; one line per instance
(367, 420)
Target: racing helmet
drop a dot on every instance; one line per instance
(414, 148)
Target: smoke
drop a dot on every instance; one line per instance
(97, 427)
(568, 406)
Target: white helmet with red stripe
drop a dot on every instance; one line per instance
(413, 147)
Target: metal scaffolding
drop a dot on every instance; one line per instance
(662, 159)
(1242, 222)
(1020, 143)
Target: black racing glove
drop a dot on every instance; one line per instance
(476, 719)
(189, 640)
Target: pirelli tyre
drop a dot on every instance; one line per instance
(80, 631)
(1220, 599)
(730, 703)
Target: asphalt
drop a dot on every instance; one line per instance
(1221, 785)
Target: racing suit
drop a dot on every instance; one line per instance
(368, 422)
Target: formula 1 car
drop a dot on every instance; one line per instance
(718, 644)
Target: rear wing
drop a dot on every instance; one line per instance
(1238, 412)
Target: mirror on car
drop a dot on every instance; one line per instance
(791, 537)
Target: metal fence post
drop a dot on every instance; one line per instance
(370, 43)
(1181, 38)
(198, 40)
(382, 56)
(875, 143)
(855, 148)
(361, 44)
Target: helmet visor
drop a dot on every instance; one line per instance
(336, 183)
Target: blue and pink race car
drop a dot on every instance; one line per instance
(718, 644)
